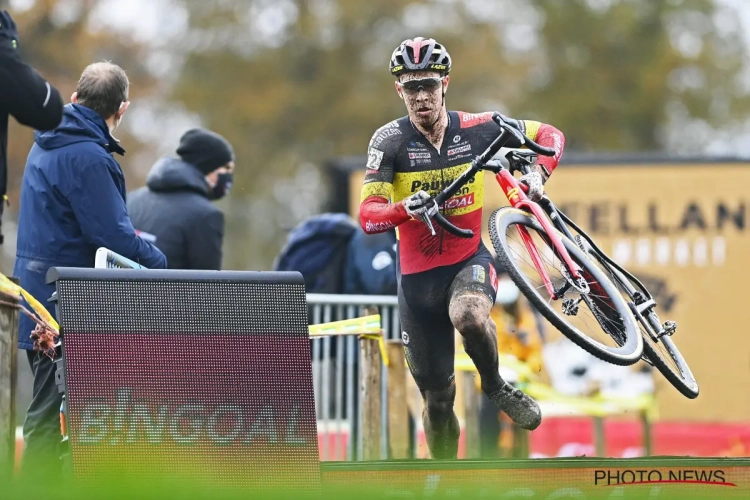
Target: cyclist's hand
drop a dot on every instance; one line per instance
(8, 32)
(419, 205)
(535, 181)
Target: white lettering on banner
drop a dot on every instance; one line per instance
(186, 424)
(378, 226)
(431, 484)
(432, 488)
(566, 493)
(664, 251)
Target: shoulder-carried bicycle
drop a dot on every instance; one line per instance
(567, 277)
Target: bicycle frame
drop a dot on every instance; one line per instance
(515, 192)
(550, 218)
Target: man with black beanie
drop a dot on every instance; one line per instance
(174, 209)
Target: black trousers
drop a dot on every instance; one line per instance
(41, 429)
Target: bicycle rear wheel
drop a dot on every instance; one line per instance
(661, 353)
(614, 322)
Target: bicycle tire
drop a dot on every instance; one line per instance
(627, 354)
(685, 383)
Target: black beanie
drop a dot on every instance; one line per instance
(205, 150)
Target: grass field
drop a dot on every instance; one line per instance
(575, 478)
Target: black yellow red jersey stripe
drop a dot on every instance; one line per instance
(401, 162)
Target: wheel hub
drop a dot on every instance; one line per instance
(570, 306)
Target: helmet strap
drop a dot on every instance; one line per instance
(442, 105)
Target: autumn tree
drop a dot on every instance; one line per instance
(635, 75)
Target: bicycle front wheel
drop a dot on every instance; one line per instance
(592, 314)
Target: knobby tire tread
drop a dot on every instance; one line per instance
(633, 331)
(687, 385)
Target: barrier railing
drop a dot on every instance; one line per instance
(336, 362)
(346, 400)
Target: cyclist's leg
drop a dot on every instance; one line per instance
(429, 347)
(470, 300)
(471, 297)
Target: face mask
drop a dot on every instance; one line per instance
(507, 292)
(222, 187)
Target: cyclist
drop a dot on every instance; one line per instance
(445, 282)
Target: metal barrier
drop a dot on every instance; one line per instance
(335, 363)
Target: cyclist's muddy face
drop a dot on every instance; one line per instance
(423, 94)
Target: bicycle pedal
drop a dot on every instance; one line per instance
(668, 329)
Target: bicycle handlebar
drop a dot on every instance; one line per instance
(506, 134)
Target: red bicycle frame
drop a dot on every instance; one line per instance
(516, 194)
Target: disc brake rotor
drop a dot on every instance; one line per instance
(580, 284)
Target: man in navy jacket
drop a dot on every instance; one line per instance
(72, 202)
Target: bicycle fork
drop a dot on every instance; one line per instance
(516, 194)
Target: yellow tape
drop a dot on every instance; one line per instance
(8, 286)
(365, 324)
(381, 346)
(367, 327)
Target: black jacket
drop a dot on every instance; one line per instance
(28, 97)
(174, 207)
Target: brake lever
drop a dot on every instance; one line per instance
(426, 219)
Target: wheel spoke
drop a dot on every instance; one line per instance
(576, 304)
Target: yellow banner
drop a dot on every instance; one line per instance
(683, 230)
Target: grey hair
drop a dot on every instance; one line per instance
(103, 87)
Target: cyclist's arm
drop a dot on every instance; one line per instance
(548, 136)
(377, 212)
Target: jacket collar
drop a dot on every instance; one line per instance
(112, 144)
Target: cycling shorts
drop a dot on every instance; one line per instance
(426, 328)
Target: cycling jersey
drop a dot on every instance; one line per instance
(401, 162)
